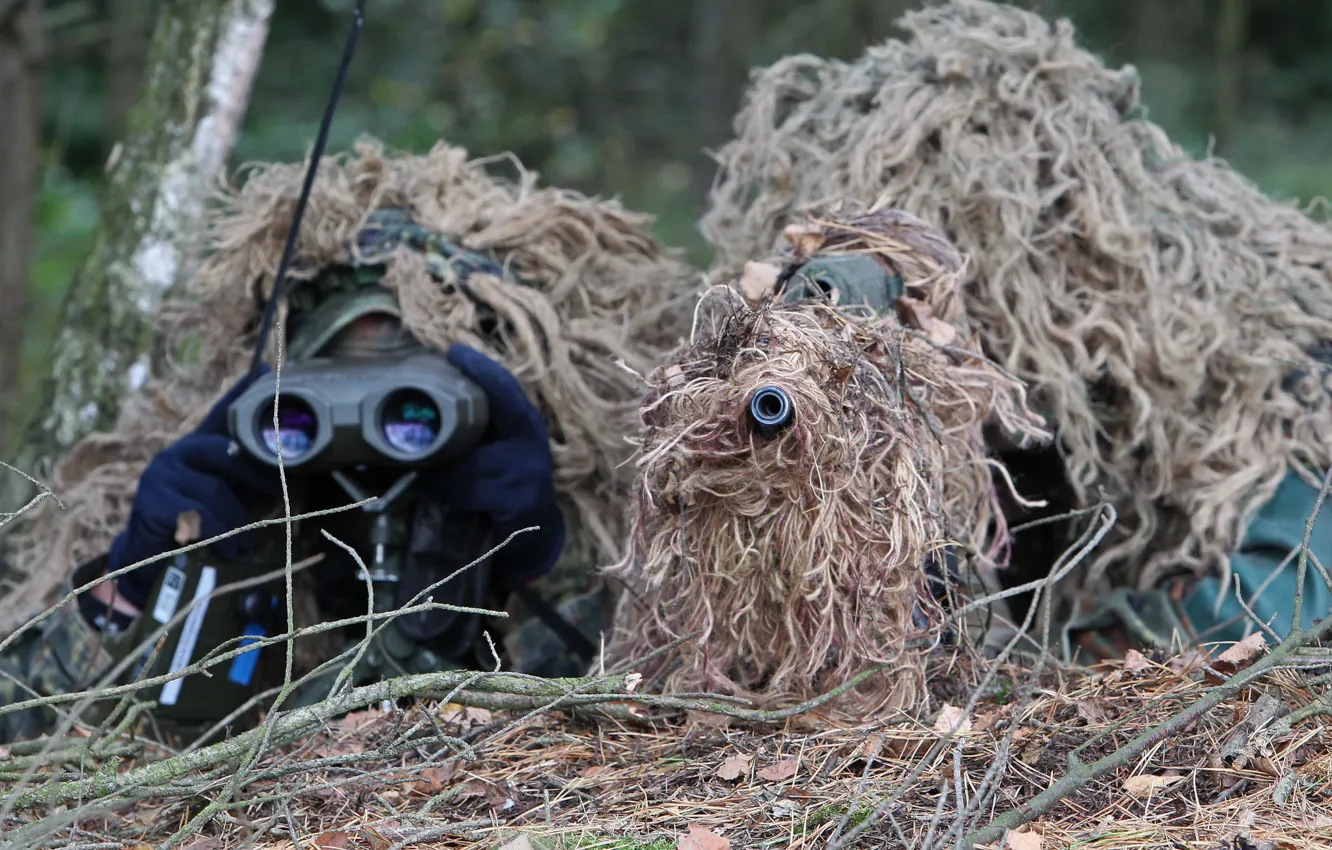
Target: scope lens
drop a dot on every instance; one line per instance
(411, 421)
(297, 427)
(771, 409)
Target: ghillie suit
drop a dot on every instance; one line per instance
(1165, 313)
(800, 556)
(574, 290)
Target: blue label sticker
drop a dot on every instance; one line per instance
(242, 666)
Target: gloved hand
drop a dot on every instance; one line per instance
(509, 476)
(194, 473)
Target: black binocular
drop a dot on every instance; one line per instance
(414, 410)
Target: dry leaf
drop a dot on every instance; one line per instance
(331, 840)
(357, 720)
(702, 839)
(1244, 651)
(1189, 660)
(189, 527)
(493, 794)
(915, 312)
(805, 238)
(782, 770)
(465, 716)
(522, 842)
(1136, 662)
(433, 780)
(735, 767)
(707, 719)
(376, 839)
(674, 377)
(1024, 840)
(758, 280)
(1090, 710)
(952, 719)
(1144, 784)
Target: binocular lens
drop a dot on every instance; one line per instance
(411, 420)
(296, 428)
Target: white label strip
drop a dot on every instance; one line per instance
(189, 635)
(168, 600)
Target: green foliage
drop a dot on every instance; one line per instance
(65, 219)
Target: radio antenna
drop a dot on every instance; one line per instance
(270, 309)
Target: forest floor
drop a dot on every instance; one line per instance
(704, 782)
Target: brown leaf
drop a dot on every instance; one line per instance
(1144, 783)
(493, 794)
(952, 719)
(1243, 651)
(699, 838)
(433, 780)
(1191, 659)
(805, 238)
(758, 280)
(331, 840)
(1136, 662)
(1024, 840)
(1090, 710)
(357, 720)
(781, 771)
(189, 527)
(465, 716)
(593, 770)
(915, 312)
(735, 767)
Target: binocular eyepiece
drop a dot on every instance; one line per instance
(771, 410)
(413, 410)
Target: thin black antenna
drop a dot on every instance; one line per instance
(270, 309)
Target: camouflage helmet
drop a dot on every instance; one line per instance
(858, 279)
(320, 309)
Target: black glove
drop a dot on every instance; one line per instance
(195, 473)
(509, 477)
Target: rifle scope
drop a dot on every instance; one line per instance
(771, 410)
(415, 410)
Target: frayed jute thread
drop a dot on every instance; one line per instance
(587, 287)
(1154, 302)
(799, 559)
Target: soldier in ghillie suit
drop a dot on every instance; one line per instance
(1171, 320)
(548, 302)
(814, 476)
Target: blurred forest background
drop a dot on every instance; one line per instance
(611, 97)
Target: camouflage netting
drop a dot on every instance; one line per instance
(799, 558)
(597, 293)
(1155, 303)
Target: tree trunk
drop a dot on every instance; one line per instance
(20, 136)
(130, 23)
(200, 67)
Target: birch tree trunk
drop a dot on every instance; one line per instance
(198, 75)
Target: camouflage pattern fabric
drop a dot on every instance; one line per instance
(63, 654)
